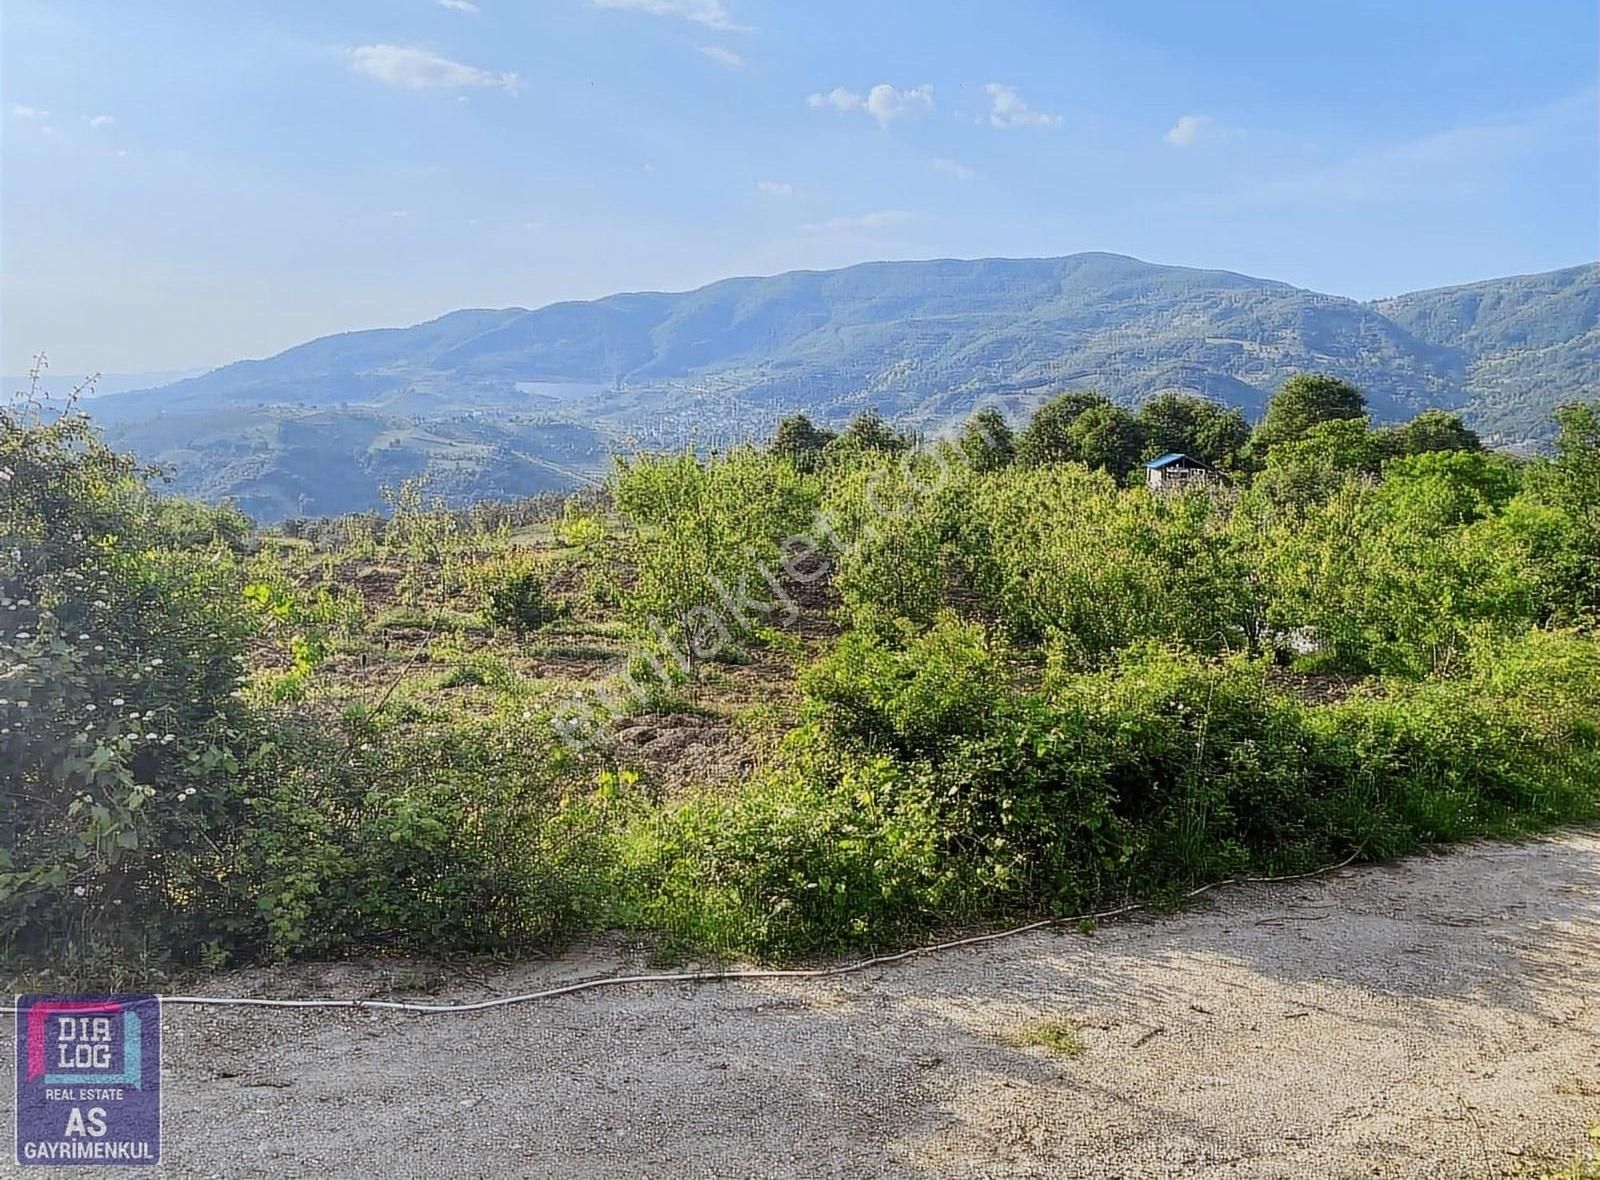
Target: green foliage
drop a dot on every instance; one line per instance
(1061, 558)
(1431, 430)
(120, 729)
(1205, 430)
(868, 433)
(1309, 469)
(399, 839)
(581, 526)
(987, 442)
(308, 622)
(189, 524)
(422, 528)
(1303, 401)
(1397, 577)
(511, 589)
(1107, 438)
(950, 681)
(798, 441)
(706, 531)
(1048, 438)
(1153, 775)
(1052, 691)
(896, 519)
(789, 867)
(1571, 484)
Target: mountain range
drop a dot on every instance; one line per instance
(513, 401)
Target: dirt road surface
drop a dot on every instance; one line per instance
(1438, 1017)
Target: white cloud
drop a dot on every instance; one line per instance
(723, 57)
(1191, 129)
(866, 222)
(423, 69)
(100, 120)
(883, 102)
(710, 13)
(953, 168)
(1007, 109)
(775, 188)
(466, 6)
(29, 113)
(838, 98)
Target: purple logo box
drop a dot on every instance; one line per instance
(89, 1079)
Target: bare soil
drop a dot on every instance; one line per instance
(1438, 1017)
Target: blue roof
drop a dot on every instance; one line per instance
(1169, 459)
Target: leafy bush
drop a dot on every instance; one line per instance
(120, 730)
(950, 682)
(390, 837)
(927, 791)
(511, 589)
(789, 866)
(707, 544)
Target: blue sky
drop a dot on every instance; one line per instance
(189, 183)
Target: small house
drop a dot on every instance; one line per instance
(1173, 471)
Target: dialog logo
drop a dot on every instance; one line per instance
(88, 1079)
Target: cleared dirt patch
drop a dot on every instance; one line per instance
(1439, 1017)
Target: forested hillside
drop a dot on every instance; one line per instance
(471, 399)
(1529, 342)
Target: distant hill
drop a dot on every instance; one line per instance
(490, 401)
(59, 386)
(1528, 343)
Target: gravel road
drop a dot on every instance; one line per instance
(1438, 1017)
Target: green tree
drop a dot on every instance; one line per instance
(1047, 437)
(1302, 402)
(1578, 461)
(1178, 422)
(1431, 430)
(1311, 468)
(800, 442)
(1108, 439)
(868, 431)
(702, 533)
(987, 441)
(1573, 485)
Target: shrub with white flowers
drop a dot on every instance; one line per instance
(119, 722)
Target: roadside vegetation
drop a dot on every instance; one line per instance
(781, 702)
